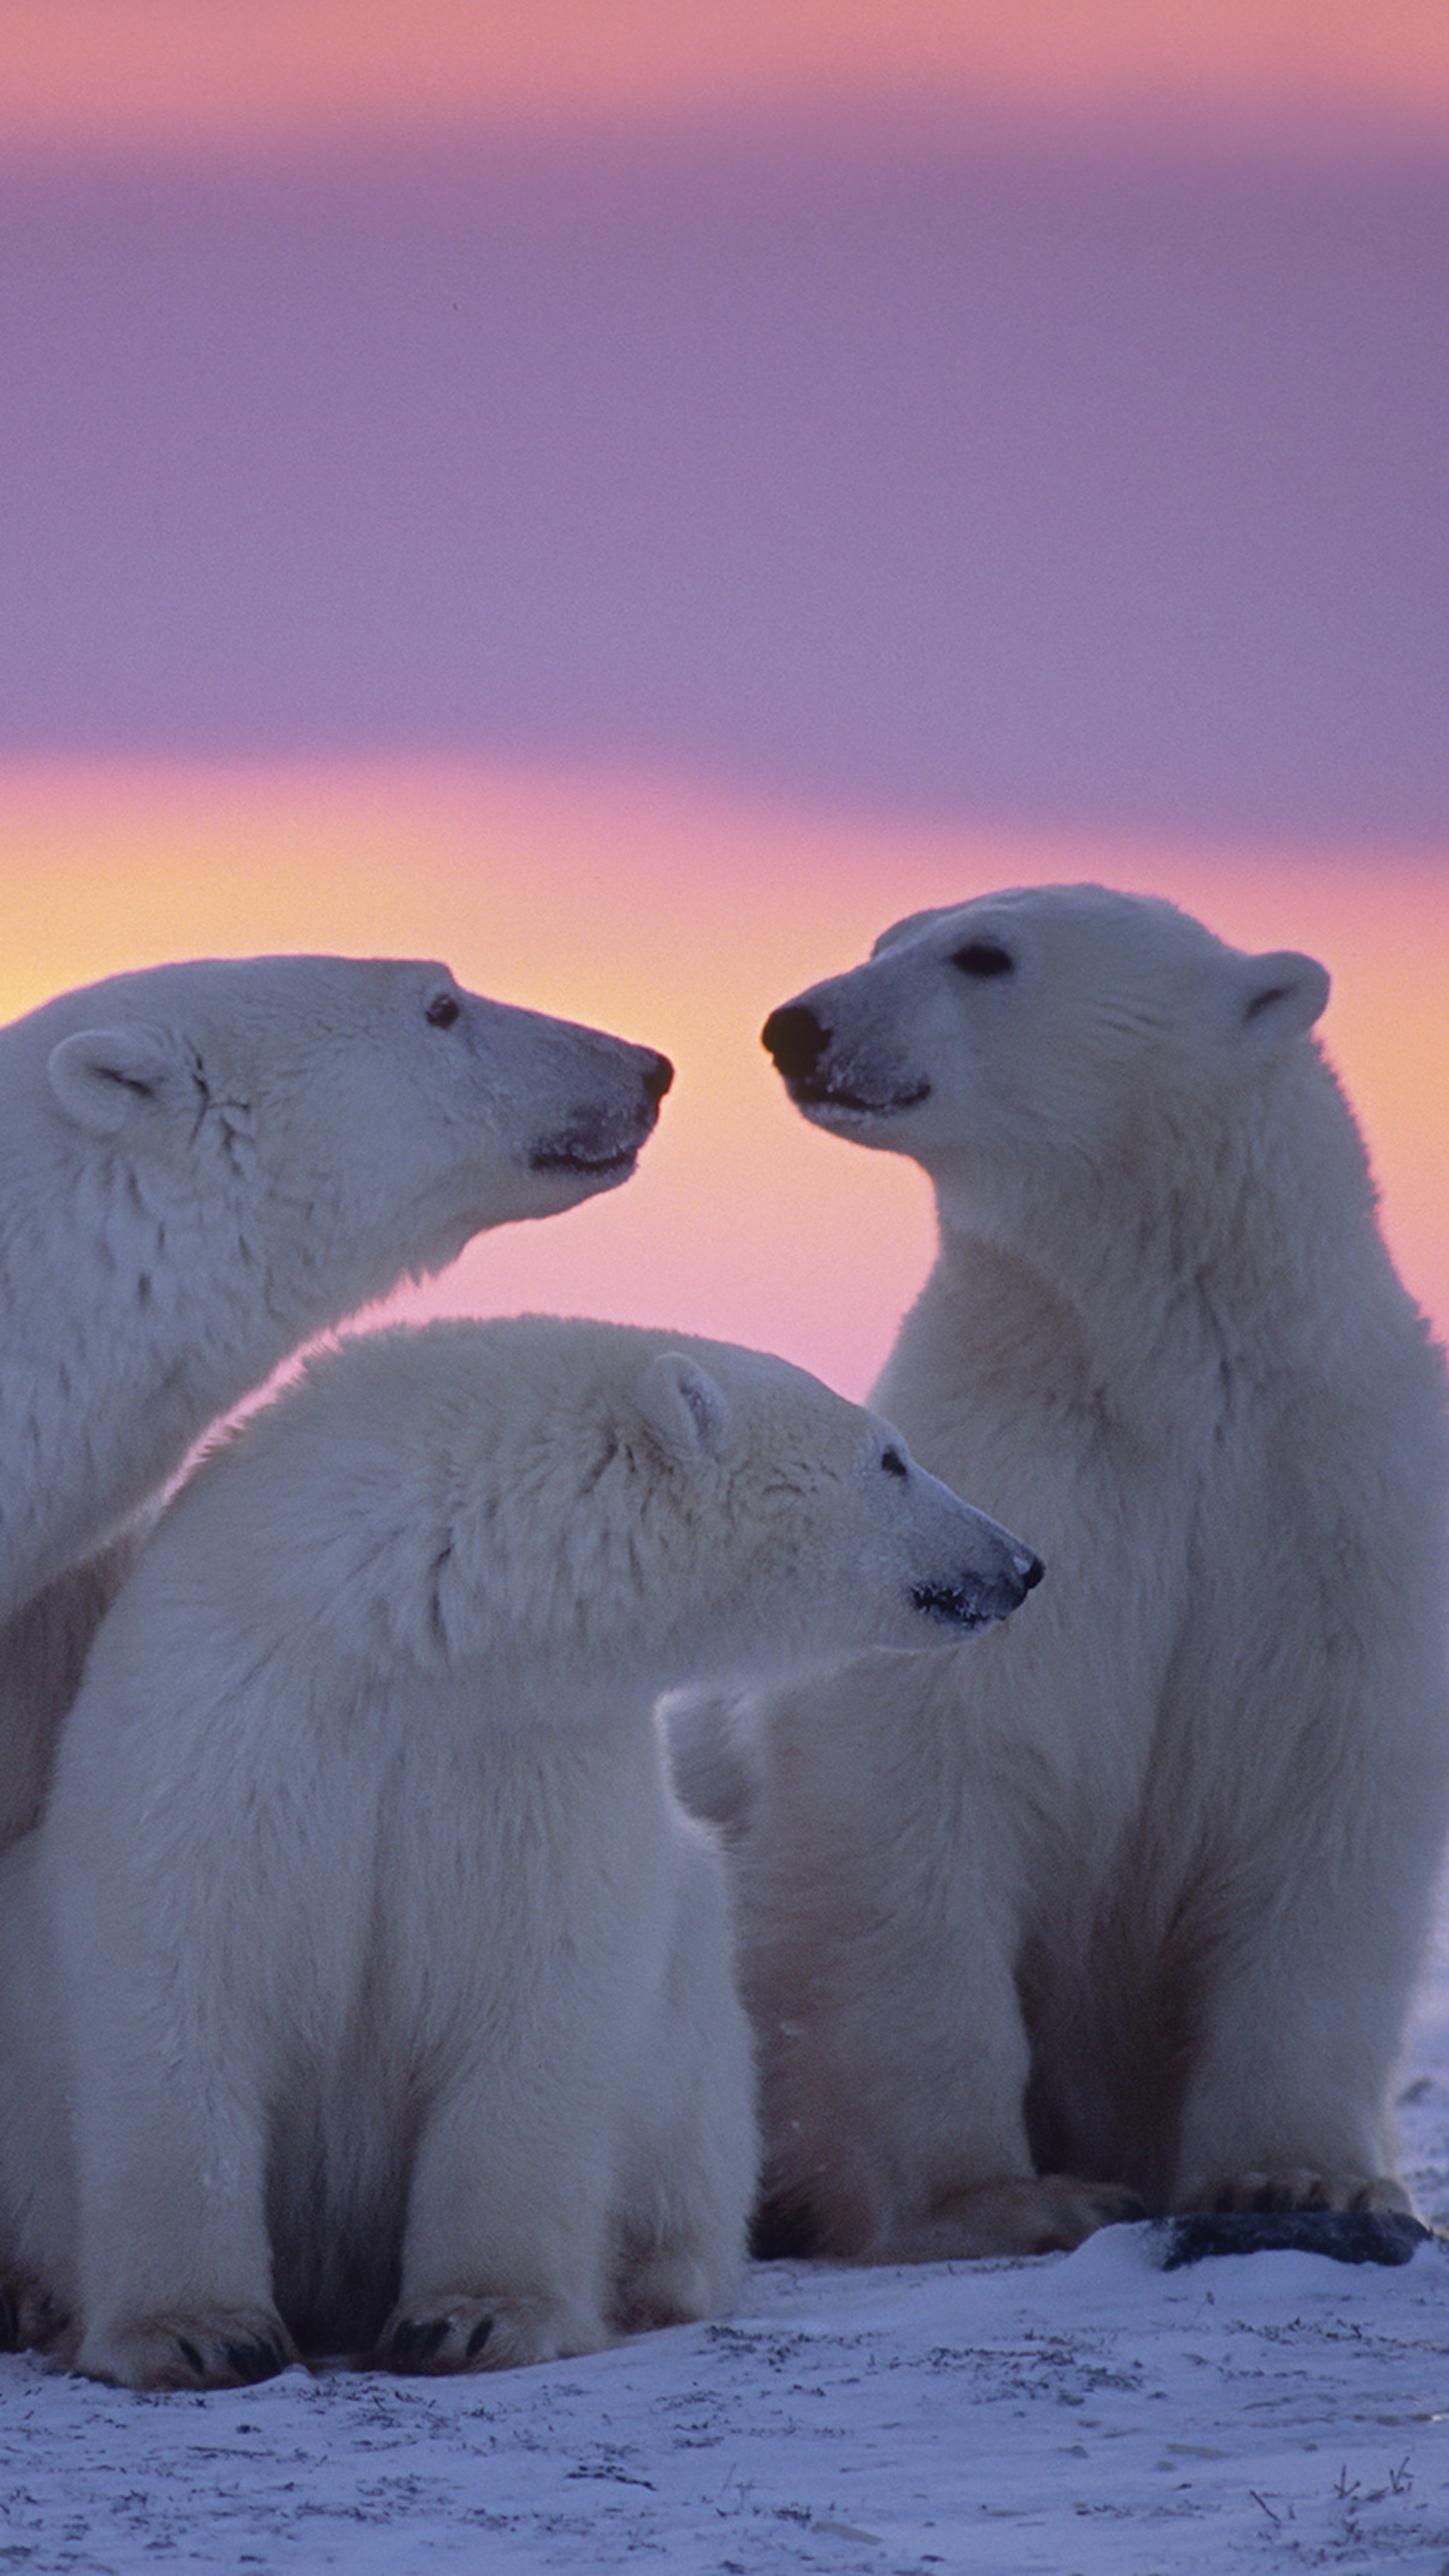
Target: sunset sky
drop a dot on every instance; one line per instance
(632, 498)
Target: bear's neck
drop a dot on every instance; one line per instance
(1210, 1248)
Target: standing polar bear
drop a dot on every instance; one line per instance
(203, 1165)
(1137, 1889)
(366, 1986)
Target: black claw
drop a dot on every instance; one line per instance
(190, 2355)
(478, 2338)
(261, 2358)
(415, 2340)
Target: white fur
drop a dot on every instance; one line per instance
(387, 1985)
(1137, 1890)
(201, 1167)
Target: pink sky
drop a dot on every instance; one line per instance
(682, 919)
(633, 517)
(259, 70)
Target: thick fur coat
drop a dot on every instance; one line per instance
(204, 1165)
(1136, 1892)
(366, 1988)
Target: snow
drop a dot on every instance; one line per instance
(1086, 2412)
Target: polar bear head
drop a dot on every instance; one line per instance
(582, 1510)
(805, 1526)
(363, 1118)
(1042, 1036)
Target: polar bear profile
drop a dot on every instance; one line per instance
(203, 1165)
(366, 1989)
(1135, 1891)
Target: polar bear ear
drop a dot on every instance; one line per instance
(684, 1407)
(1277, 997)
(109, 1079)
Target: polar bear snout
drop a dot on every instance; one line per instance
(853, 1081)
(964, 1569)
(973, 1599)
(597, 1140)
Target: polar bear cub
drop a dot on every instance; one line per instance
(203, 1165)
(1137, 1890)
(391, 1988)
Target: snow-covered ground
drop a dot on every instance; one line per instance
(1087, 2412)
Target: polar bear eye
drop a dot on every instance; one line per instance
(893, 1463)
(983, 957)
(442, 1011)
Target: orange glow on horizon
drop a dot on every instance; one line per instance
(681, 919)
(148, 72)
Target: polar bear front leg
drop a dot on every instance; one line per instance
(1286, 2106)
(895, 2123)
(881, 1924)
(131, 2149)
(504, 2249)
(175, 2265)
(37, 2173)
(692, 2146)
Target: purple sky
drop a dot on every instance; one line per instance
(1010, 482)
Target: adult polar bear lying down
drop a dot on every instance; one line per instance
(391, 1989)
(202, 1166)
(1138, 1888)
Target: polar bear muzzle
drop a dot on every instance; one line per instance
(799, 1040)
(597, 1142)
(977, 1601)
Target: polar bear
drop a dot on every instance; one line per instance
(1137, 1889)
(203, 1165)
(390, 1986)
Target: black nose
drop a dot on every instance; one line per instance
(1033, 1574)
(795, 1038)
(658, 1075)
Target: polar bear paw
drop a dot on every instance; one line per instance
(463, 2332)
(226, 2348)
(1035, 2214)
(1013, 2215)
(1302, 2187)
